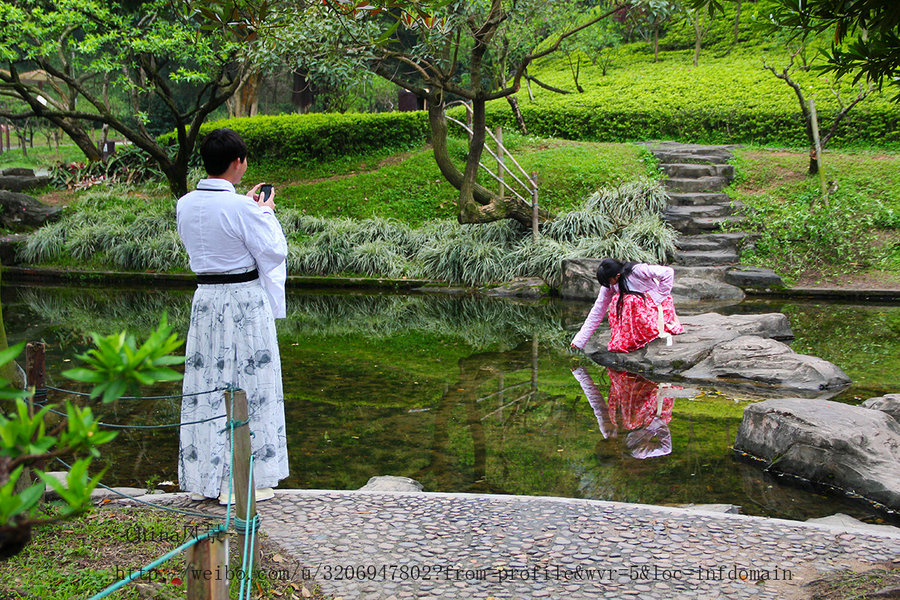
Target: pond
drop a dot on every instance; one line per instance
(471, 394)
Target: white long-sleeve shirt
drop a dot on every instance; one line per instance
(655, 281)
(225, 232)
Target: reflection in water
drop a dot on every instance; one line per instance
(640, 406)
(464, 394)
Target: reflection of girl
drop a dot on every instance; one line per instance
(638, 299)
(637, 402)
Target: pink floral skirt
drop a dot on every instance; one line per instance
(638, 325)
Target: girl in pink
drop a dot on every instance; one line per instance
(638, 300)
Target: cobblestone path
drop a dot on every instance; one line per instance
(390, 546)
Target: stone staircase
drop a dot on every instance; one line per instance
(696, 177)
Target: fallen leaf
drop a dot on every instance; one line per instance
(278, 558)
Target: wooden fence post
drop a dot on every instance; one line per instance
(500, 164)
(206, 569)
(34, 377)
(243, 483)
(534, 207)
(815, 130)
(35, 372)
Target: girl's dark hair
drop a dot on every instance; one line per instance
(609, 268)
(219, 149)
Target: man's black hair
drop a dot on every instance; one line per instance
(219, 149)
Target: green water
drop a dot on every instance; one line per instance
(464, 395)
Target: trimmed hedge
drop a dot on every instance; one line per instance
(759, 126)
(324, 136)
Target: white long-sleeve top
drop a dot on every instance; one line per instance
(653, 280)
(225, 232)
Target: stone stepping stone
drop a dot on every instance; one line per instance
(698, 184)
(693, 198)
(703, 224)
(708, 158)
(713, 241)
(703, 258)
(694, 170)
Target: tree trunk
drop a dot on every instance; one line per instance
(520, 120)
(77, 134)
(737, 22)
(477, 204)
(245, 103)
(176, 173)
(698, 34)
(656, 44)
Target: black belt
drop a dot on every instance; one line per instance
(228, 277)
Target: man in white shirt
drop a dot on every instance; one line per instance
(238, 250)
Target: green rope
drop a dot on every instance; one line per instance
(247, 567)
(157, 562)
(233, 424)
(74, 393)
(139, 501)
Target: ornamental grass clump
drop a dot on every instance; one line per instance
(623, 222)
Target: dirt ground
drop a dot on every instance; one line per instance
(869, 280)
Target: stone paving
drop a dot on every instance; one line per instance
(389, 546)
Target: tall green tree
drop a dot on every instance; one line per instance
(866, 36)
(111, 62)
(449, 50)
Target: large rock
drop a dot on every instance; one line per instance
(851, 448)
(392, 483)
(17, 180)
(9, 248)
(751, 359)
(737, 351)
(889, 403)
(579, 279)
(701, 334)
(754, 277)
(18, 210)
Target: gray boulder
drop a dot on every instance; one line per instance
(18, 210)
(391, 483)
(17, 180)
(9, 248)
(851, 448)
(579, 279)
(889, 403)
(756, 360)
(693, 289)
(519, 287)
(754, 277)
(737, 351)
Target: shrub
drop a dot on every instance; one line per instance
(800, 232)
(322, 136)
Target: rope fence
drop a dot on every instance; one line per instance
(205, 553)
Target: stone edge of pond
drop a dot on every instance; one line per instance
(185, 280)
(44, 275)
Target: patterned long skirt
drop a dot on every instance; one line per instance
(639, 322)
(231, 341)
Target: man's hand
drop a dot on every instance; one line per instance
(254, 195)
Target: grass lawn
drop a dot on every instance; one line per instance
(83, 556)
(40, 157)
(854, 233)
